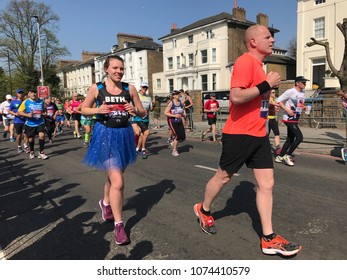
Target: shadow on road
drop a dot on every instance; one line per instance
(139, 252)
(242, 201)
(145, 200)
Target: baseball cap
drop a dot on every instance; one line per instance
(19, 90)
(144, 84)
(8, 96)
(213, 94)
(175, 92)
(300, 79)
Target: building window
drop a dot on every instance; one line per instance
(174, 43)
(178, 62)
(209, 34)
(214, 55)
(214, 81)
(170, 63)
(130, 57)
(204, 82)
(140, 60)
(131, 71)
(318, 71)
(319, 2)
(203, 56)
(171, 85)
(190, 39)
(191, 59)
(319, 28)
(158, 83)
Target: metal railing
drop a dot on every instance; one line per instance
(327, 113)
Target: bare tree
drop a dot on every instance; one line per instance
(342, 73)
(19, 38)
(292, 48)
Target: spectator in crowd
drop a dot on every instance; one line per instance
(156, 111)
(188, 107)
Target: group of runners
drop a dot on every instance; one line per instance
(25, 116)
(121, 115)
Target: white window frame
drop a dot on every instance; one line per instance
(204, 58)
(204, 84)
(214, 81)
(169, 63)
(319, 28)
(191, 59)
(158, 83)
(214, 55)
(171, 85)
(209, 34)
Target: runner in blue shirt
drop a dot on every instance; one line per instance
(19, 121)
(33, 108)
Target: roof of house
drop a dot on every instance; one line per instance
(219, 17)
(273, 58)
(145, 44)
(279, 59)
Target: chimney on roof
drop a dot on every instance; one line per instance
(239, 14)
(262, 19)
(173, 27)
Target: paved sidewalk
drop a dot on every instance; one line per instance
(326, 141)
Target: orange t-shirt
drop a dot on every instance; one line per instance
(245, 118)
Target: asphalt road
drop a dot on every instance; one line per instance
(49, 209)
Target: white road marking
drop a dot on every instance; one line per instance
(2, 255)
(212, 169)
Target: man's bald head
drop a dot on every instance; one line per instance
(253, 32)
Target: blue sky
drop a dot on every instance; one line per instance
(93, 25)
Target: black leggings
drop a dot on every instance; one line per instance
(294, 138)
(50, 126)
(178, 130)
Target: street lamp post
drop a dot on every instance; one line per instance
(9, 70)
(39, 40)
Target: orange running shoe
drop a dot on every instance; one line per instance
(206, 222)
(279, 245)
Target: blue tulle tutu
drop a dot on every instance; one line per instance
(111, 148)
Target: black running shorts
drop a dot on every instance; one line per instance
(31, 131)
(238, 149)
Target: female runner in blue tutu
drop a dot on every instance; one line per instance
(113, 146)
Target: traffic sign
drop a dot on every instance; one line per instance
(42, 91)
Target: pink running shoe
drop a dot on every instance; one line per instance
(106, 211)
(120, 236)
